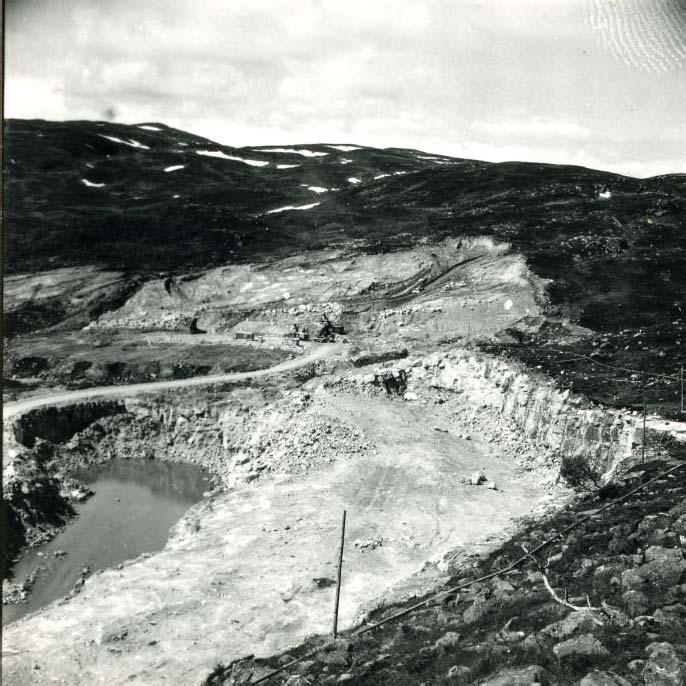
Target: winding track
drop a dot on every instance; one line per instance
(13, 409)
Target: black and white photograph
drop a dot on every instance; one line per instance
(344, 343)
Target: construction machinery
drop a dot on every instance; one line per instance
(329, 330)
(300, 334)
(194, 329)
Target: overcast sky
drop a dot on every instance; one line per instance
(593, 82)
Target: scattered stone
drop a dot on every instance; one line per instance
(368, 543)
(477, 478)
(323, 582)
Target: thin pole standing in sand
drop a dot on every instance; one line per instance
(645, 409)
(338, 581)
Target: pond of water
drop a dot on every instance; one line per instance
(136, 502)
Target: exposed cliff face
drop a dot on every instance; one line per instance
(57, 424)
(35, 502)
(237, 437)
(556, 421)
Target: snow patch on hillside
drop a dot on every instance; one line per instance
(224, 156)
(315, 189)
(345, 148)
(174, 167)
(381, 176)
(293, 207)
(343, 160)
(131, 143)
(91, 184)
(294, 151)
(354, 179)
(286, 166)
(147, 127)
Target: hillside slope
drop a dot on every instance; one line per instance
(151, 199)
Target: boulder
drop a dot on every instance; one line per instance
(615, 615)
(656, 552)
(335, 658)
(597, 678)
(651, 523)
(657, 575)
(586, 644)
(458, 674)
(519, 677)
(502, 588)
(575, 623)
(447, 643)
(604, 574)
(663, 667)
(636, 603)
(672, 618)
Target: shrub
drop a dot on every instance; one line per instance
(578, 473)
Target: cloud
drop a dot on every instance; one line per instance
(526, 76)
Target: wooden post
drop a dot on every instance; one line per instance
(645, 412)
(338, 581)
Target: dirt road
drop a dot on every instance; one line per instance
(316, 352)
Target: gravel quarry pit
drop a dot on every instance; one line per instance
(249, 569)
(456, 288)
